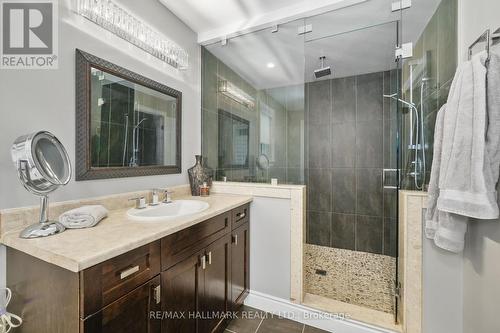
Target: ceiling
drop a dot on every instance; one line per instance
(356, 39)
(212, 19)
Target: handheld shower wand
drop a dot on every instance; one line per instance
(413, 146)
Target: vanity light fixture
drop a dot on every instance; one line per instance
(230, 90)
(111, 17)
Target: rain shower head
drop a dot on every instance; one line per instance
(323, 71)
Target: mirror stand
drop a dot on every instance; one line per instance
(43, 166)
(44, 227)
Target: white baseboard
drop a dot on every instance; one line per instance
(309, 316)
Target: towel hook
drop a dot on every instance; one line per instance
(488, 38)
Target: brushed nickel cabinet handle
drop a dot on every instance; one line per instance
(129, 271)
(241, 215)
(210, 258)
(203, 262)
(157, 294)
(235, 239)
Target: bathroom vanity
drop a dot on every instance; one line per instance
(183, 281)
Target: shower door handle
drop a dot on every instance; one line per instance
(384, 177)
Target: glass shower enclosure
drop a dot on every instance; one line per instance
(303, 102)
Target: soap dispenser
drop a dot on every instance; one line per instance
(204, 190)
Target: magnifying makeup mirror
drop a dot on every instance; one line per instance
(42, 166)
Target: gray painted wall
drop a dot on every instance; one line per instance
(442, 289)
(31, 100)
(270, 247)
(482, 251)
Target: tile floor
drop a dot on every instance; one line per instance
(252, 321)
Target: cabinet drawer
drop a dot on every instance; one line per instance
(130, 313)
(182, 244)
(106, 282)
(240, 216)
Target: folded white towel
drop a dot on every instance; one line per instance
(83, 217)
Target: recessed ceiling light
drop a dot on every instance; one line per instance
(270, 65)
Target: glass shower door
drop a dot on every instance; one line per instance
(352, 163)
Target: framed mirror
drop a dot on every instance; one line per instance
(126, 125)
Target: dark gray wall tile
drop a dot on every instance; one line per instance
(319, 146)
(343, 145)
(209, 141)
(390, 144)
(320, 102)
(390, 203)
(369, 200)
(447, 40)
(319, 228)
(221, 173)
(369, 144)
(279, 173)
(344, 190)
(430, 47)
(344, 100)
(209, 89)
(294, 144)
(319, 187)
(369, 97)
(390, 87)
(369, 234)
(343, 231)
(390, 237)
(295, 176)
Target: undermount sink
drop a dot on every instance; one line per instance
(166, 211)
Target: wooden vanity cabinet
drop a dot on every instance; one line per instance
(181, 283)
(240, 264)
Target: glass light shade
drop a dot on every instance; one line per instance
(110, 16)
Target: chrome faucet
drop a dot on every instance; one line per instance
(140, 202)
(168, 196)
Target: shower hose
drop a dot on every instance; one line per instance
(8, 320)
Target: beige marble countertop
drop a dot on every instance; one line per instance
(79, 249)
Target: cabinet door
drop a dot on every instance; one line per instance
(130, 313)
(215, 301)
(180, 296)
(240, 256)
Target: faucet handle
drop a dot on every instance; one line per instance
(168, 196)
(140, 202)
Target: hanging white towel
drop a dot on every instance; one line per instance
(83, 217)
(493, 107)
(466, 155)
(446, 229)
(465, 181)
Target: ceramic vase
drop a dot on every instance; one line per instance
(199, 174)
